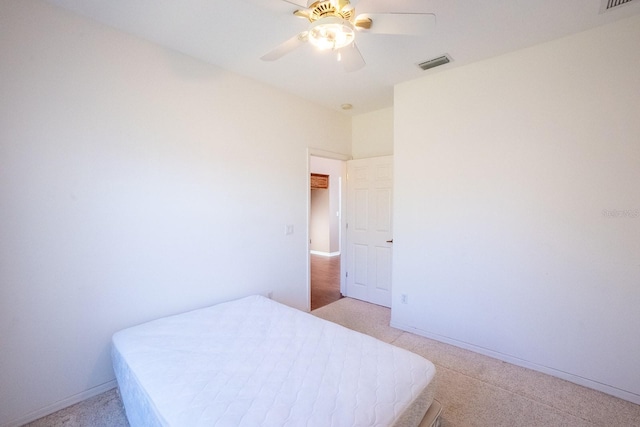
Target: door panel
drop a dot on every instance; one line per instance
(360, 272)
(361, 207)
(369, 228)
(383, 210)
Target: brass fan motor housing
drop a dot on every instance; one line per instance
(322, 9)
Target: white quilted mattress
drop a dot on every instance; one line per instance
(255, 362)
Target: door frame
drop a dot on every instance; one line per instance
(316, 152)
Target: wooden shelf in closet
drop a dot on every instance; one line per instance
(319, 181)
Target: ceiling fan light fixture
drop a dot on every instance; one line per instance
(331, 32)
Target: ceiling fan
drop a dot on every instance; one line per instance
(333, 25)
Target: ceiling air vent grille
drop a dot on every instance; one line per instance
(444, 59)
(612, 4)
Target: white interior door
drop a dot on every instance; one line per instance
(369, 229)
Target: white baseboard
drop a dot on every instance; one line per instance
(327, 254)
(72, 400)
(613, 391)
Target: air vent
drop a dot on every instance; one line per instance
(435, 62)
(607, 5)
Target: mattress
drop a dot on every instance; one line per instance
(256, 362)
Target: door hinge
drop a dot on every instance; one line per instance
(346, 274)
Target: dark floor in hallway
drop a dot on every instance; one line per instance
(325, 280)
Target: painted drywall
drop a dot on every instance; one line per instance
(319, 231)
(325, 207)
(517, 210)
(135, 182)
(373, 134)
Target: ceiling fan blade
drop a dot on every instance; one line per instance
(303, 13)
(413, 24)
(351, 58)
(286, 47)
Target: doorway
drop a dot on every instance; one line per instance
(327, 178)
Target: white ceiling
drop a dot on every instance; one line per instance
(236, 33)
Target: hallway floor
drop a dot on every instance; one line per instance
(325, 280)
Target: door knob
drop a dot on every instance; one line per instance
(390, 241)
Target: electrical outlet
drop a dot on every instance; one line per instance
(404, 299)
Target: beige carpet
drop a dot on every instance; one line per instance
(474, 390)
(477, 390)
(103, 410)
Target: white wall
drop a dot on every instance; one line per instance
(325, 204)
(319, 231)
(517, 227)
(372, 134)
(135, 182)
